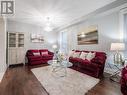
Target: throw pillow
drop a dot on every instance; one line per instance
(71, 53)
(83, 55)
(36, 53)
(76, 54)
(90, 56)
(44, 53)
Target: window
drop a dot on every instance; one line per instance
(123, 25)
(123, 28)
(63, 42)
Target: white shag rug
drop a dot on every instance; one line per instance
(74, 83)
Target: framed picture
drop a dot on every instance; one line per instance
(37, 38)
(88, 35)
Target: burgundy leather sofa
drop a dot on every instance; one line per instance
(94, 68)
(39, 56)
(124, 81)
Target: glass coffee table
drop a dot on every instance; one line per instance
(60, 67)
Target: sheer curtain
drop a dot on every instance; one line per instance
(125, 33)
(63, 42)
(125, 28)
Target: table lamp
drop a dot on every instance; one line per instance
(55, 57)
(117, 56)
(54, 46)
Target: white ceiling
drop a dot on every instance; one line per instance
(61, 12)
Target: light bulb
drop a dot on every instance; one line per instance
(48, 29)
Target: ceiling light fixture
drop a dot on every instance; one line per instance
(48, 26)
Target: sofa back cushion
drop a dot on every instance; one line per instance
(43, 52)
(36, 53)
(83, 55)
(90, 56)
(97, 53)
(31, 52)
(76, 54)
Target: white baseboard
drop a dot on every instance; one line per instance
(2, 74)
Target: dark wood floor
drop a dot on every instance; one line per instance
(19, 80)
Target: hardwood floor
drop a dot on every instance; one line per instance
(19, 80)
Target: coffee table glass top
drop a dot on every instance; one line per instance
(59, 68)
(64, 63)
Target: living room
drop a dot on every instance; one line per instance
(48, 49)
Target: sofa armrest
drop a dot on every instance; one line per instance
(29, 53)
(50, 53)
(99, 60)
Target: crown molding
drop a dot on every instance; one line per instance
(113, 7)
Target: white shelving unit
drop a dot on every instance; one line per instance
(16, 50)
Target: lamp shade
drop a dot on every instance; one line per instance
(117, 46)
(54, 46)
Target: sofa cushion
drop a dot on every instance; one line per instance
(34, 58)
(43, 50)
(89, 66)
(75, 60)
(36, 53)
(46, 56)
(45, 53)
(90, 56)
(86, 61)
(83, 55)
(76, 54)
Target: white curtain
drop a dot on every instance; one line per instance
(125, 34)
(125, 28)
(63, 42)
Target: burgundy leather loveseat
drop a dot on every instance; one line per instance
(94, 68)
(39, 56)
(124, 81)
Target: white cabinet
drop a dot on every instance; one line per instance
(20, 55)
(12, 56)
(16, 50)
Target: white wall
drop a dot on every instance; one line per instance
(28, 29)
(2, 47)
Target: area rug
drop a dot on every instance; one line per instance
(74, 83)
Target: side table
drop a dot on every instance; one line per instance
(115, 76)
